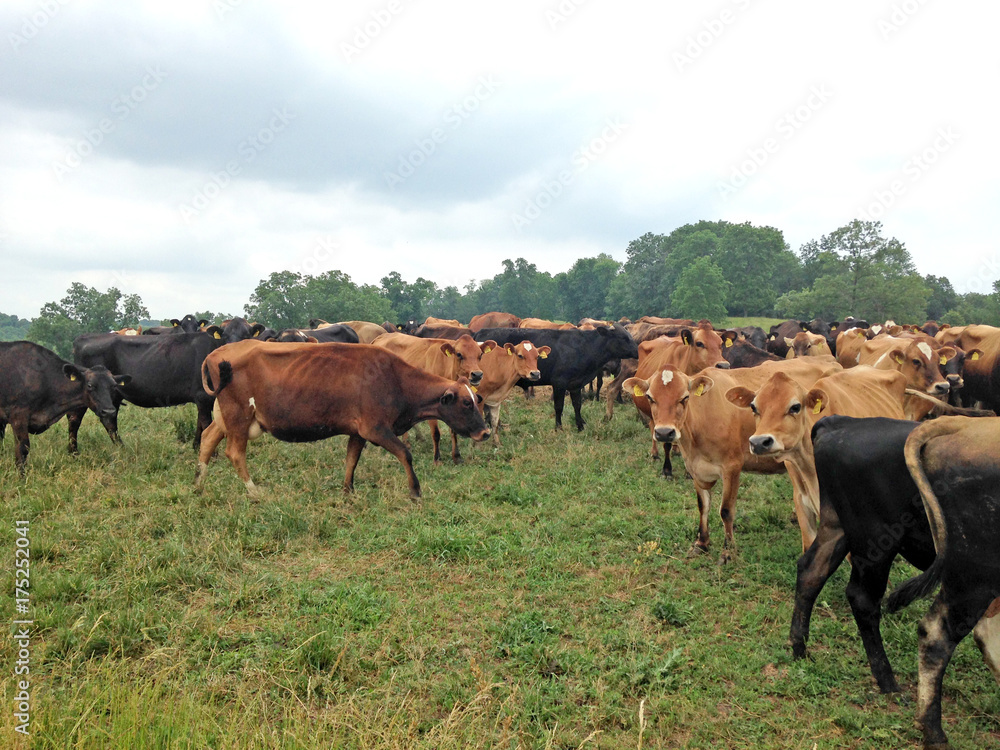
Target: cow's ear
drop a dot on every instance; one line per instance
(543, 351)
(834, 325)
(740, 396)
(448, 349)
(898, 356)
(487, 346)
(700, 385)
(636, 386)
(788, 341)
(448, 397)
(202, 323)
(311, 340)
(687, 336)
(123, 380)
(946, 353)
(509, 348)
(257, 329)
(72, 372)
(974, 354)
(174, 322)
(728, 337)
(214, 331)
(816, 400)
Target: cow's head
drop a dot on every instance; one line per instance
(668, 393)
(466, 354)
(99, 387)
(461, 409)
(807, 344)
(782, 409)
(705, 347)
(920, 363)
(526, 356)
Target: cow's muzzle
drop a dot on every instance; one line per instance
(665, 434)
(761, 445)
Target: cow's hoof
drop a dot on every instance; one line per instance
(697, 551)
(667, 476)
(725, 558)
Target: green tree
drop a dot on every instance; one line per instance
(583, 289)
(333, 296)
(758, 265)
(696, 245)
(407, 301)
(943, 296)
(84, 310)
(701, 292)
(280, 301)
(13, 328)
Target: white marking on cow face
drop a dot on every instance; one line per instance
(925, 349)
(471, 394)
(666, 376)
(253, 404)
(527, 346)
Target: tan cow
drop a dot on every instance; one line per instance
(493, 320)
(431, 321)
(807, 344)
(712, 433)
(502, 368)
(547, 324)
(786, 411)
(367, 332)
(919, 361)
(450, 359)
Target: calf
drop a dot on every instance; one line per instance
(448, 359)
(304, 392)
(37, 388)
(954, 463)
(574, 360)
(785, 412)
(503, 367)
(713, 434)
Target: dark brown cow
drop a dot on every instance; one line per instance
(305, 392)
(37, 388)
(494, 320)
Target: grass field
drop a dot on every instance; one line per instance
(538, 596)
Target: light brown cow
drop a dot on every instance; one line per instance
(367, 332)
(691, 352)
(807, 344)
(446, 358)
(431, 321)
(546, 324)
(919, 361)
(713, 434)
(786, 411)
(128, 331)
(493, 320)
(305, 392)
(502, 368)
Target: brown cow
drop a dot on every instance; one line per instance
(494, 320)
(690, 353)
(806, 344)
(982, 363)
(785, 412)
(305, 392)
(367, 332)
(448, 359)
(684, 322)
(547, 324)
(128, 331)
(712, 433)
(919, 361)
(431, 321)
(503, 366)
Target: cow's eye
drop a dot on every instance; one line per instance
(753, 408)
(650, 399)
(699, 344)
(795, 408)
(917, 363)
(683, 401)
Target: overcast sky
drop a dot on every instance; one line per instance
(183, 150)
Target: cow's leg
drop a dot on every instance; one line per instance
(944, 626)
(236, 452)
(204, 419)
(73, 421)
(576, 396)
(3, 427)
(22, 443)
(494, 419)
(384, 438)
(456, 455)
(612, 394)
(435, 439)
(730, 488)
(355, 444)
(864, 593)
(704, 492)
(210, 440)
(815, 566)
(558, 400)
(987, 635)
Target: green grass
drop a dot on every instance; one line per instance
(538, 596)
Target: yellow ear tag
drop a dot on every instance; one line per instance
(474, 389)
(729, 343)
(899, 360)
(771, 337)
(216, 335)
(700, 389)
(543, 355)
(510, 352)
(943, 360)
(487, 350)
(975, 356)
(174, 325)
(637, 391)
(818, 407)
(256, 334)
(72, 377)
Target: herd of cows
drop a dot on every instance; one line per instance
(886, 432)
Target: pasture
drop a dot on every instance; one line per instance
(538, 596)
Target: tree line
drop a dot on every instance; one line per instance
(710, 269)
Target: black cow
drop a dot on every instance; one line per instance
(954, 462)
(741, 353)
(754, 334)
(826, 330)
(165, 370)
(576, 358)
(333, 333)
(187, 324)
(869, 507)
(777, 335)
(37, 388)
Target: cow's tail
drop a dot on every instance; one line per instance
(225, 375)
(925, 583)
